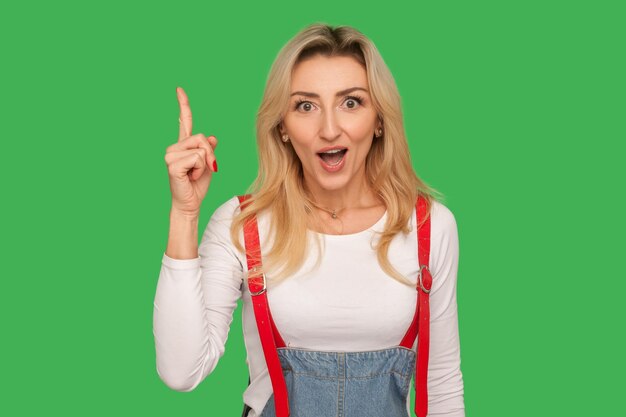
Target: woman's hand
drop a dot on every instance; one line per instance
(190, 163)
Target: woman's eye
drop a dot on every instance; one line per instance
(307, 106)
(353, 102)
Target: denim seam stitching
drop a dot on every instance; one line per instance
(352, 377)
(341, 382)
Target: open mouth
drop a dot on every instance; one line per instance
(332, 157)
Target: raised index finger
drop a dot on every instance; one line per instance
(186, 123)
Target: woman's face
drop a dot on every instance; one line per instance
(330, 108)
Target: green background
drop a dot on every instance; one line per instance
(514, 110)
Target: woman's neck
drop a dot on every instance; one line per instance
(359, 195)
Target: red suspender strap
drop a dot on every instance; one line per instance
(420, 326)
(265, 324)
(425, 281)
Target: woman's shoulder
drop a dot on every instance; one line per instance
(442, 218)
(217, 244)
(444, 236)
(221, 221)
(443, 227)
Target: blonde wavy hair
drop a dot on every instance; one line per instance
(279, 187)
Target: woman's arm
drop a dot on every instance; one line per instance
(445, 380)
(182, 242)
(194, 303)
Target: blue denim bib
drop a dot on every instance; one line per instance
(346, 384)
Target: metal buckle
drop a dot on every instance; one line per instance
(419, 276)
(262, 290)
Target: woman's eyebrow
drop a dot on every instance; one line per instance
(339, 93)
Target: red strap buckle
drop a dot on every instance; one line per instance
(425, 280)
(257, 284)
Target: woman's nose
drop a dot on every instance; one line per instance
(330, 128)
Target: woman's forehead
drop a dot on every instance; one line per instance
(327, 75)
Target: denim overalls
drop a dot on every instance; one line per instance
(308, 383)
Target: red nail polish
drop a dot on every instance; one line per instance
(215, 166)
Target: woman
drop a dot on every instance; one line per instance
(335, 204)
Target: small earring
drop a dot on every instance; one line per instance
(379, 133)
(285, 138)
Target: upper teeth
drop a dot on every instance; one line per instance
(333, 151)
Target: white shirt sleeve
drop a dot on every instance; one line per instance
(445, 380)
(194, 304)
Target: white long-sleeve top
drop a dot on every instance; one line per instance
(348, 304)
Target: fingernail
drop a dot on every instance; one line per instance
(215, 166)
